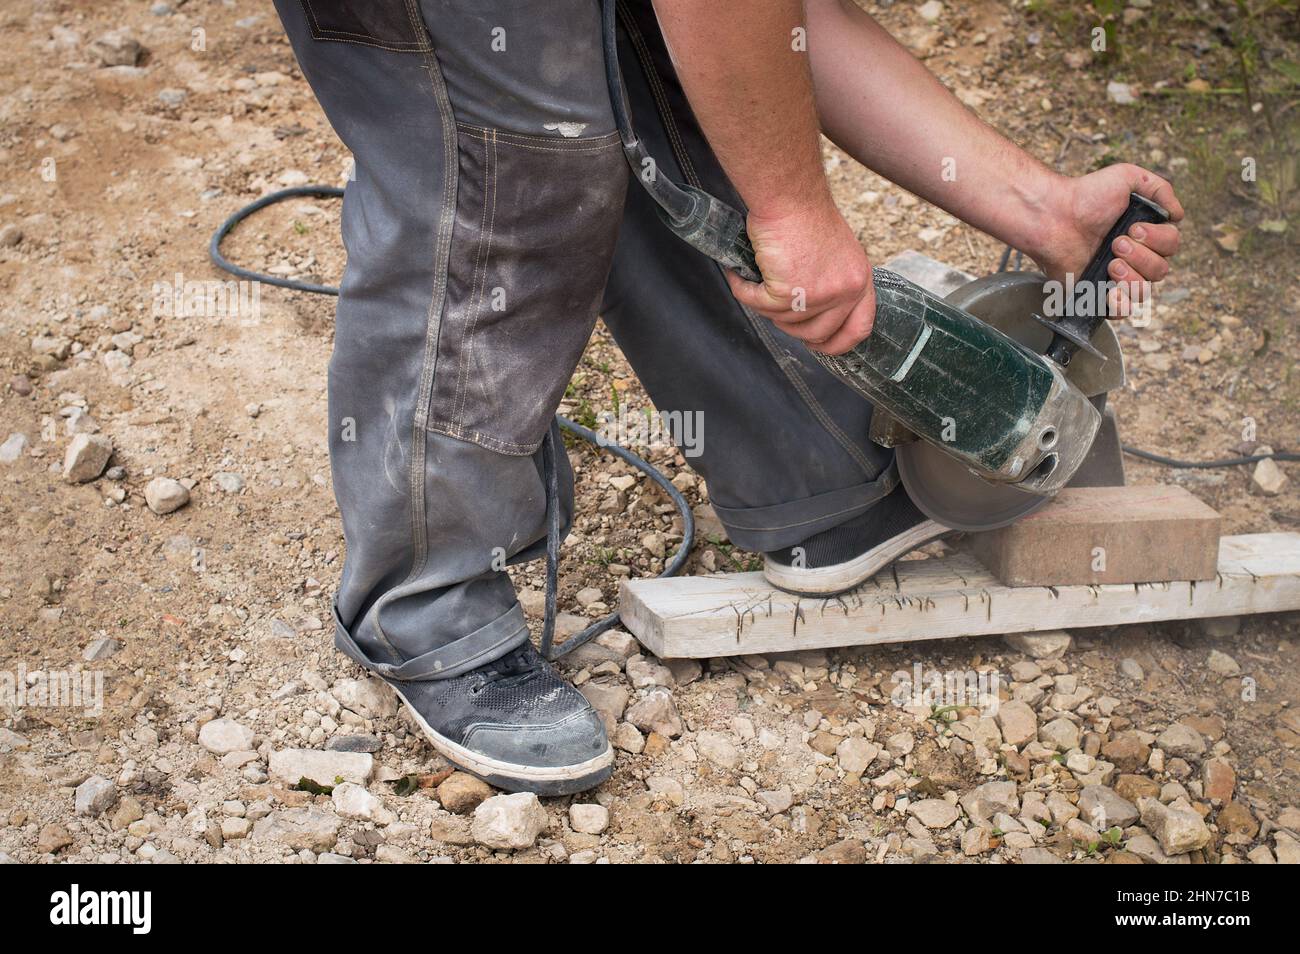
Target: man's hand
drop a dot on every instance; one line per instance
(751, 90)
(1086, 209)
(816, 278)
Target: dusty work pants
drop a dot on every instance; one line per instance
(490, 221)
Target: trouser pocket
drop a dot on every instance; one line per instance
(536, 221)
(389, 24)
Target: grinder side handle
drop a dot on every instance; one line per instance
(1080, 322)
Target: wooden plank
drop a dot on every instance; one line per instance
(1154, 533)
(735, 614)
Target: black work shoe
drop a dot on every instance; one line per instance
(838, 559)
(515, 724)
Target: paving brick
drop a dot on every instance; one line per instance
(1150, 534)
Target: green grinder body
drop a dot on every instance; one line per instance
(1009, 414)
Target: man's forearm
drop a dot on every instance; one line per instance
(752, 94)
(884, 108)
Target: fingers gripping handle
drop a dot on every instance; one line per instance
(1086, 313)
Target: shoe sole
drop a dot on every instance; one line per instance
(842, 577)
(514, 777)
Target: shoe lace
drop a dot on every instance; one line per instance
(512, 669)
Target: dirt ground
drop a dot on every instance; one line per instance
(219, 611)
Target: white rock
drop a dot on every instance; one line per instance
(656, 713)
(776, 801)
(116, 48)
(718, 749)
(930, 11)
(1104, 808)
(1131, 669)
(855, 754)
(95, 795)
(1120, 93)
(353, 801)
(1179, 830)
(1060, 733)
(307, 828)
(367, 697)
(990, 798)
(101, 648)
(230, 483)
(116, 361)
(934, 812)
(1019, 723)
(1267, 480)
(645, 673)
(509, 821)
(1049, 645)
(1222, 664)
(588, 819)
(233, 829)
(164, 495)
(222, 736)
(86, 457)
(13, 448)
(323, 768)
(627, 738)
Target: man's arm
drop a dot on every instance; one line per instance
(884, 108)
(752, 94)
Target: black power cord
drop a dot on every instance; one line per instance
(549, 449)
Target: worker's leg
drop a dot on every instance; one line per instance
(785, 446)
(479, 229)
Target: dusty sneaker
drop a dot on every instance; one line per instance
(838, 559)
(515, 724)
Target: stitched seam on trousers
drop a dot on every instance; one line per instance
(577, 144)
(521, 145)
(811, 520)
(457, 392)
(433, 319)
(463, 433)
(486, 229)
(660, 94)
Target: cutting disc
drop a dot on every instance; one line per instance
(941, 485)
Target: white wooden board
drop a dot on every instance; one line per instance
(739, 613)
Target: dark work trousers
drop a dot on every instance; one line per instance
(491, 219)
